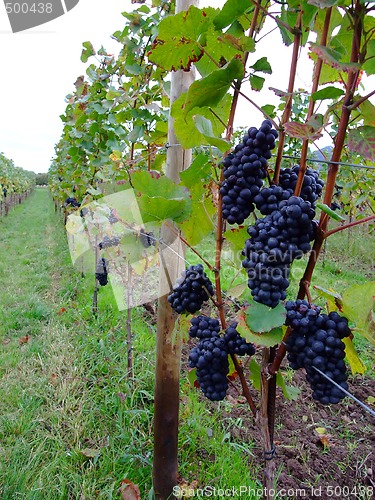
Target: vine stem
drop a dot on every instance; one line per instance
(361, 100)
(288, 105)
(245, 387)
(220, 222)
(276, 19)
(264, 420)
(315, 85)
(346, 226)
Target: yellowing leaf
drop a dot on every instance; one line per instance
(321, 431)
(355, 363)
(358, 303)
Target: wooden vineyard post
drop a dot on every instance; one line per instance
(168, 348)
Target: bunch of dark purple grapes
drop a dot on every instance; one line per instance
(191, 290)
(269, 198)
(210, 355)
(102, 271)
(316, 342)
(108, 242)
(147, 239)
(312, 185)
(244, 171)
(275, 241)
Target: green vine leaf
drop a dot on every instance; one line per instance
(185, 128)
(362, 141)
(87, 51)
(256, 82)
(369, 64)
(259, 324)
(231, 10)
(209, 91)
(159, 198)
(368, 112)
(177, 44)
(192, 377)
(236, 236)
(262, 65)
(290, 392)
(327, 93)
(261, 318)
(205, 128)
(200, 223)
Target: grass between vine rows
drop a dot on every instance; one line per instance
(71, 424)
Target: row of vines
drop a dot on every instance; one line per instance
(15, 184)
(150, 157)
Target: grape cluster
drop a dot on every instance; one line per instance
(102, 271)
(147, 239)
(112, 218)
(73, 202)
(312, 186)
(237, 344)
(109, 242)
(316, 341)
(210, 355)
(244, 171)
(83, 212)
(191, 290)
(269, 198)
(275, 241)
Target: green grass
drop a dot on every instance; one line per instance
(65, 392)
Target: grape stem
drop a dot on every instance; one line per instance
(288, 105)
(316, 78)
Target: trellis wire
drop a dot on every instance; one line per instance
(343, 163)
(365, 407)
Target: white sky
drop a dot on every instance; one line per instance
(40, 65)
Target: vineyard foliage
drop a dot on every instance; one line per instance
(14, 179)
(116, 119)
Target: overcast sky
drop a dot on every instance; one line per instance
(40, 65)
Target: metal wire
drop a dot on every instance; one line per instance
(365, 407)
(345, 164)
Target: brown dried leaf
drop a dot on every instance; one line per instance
(325, 441)
(24, 340)
(5, 341)
(129, 490)
(302, 131)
